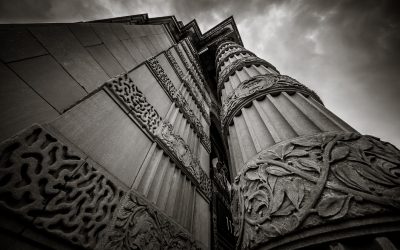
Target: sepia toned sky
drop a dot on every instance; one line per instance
(348, 51)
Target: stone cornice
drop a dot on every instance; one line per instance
(198, 98)
(258, 86)
(175, 95)
(229, 70)
(124, 91)
(313, 186)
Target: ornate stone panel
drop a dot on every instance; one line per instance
(249, 60)
(134, 100)
(189, 85)
(180, 101)
(312, 182)
(181, 151)
(137, 225)
(257, 86)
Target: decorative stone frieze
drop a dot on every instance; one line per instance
(194, 91)
(137, 225)
(258, 86)
(124, 90)
(315, 182)
(225, 46)
(194, 75)
(182, 153)
(235, 51)
(52, 185)
(134, 100)
(243, 62)
(180, 101)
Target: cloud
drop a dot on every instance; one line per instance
(347, 51)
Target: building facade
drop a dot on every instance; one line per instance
(144, 133)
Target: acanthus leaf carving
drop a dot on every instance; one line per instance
(342, 176)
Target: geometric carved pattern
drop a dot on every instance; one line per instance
(139, 226)
(124, 88)
(257, 86)
(179, 100)
(45, 181)
(313, 181)
(181, 151)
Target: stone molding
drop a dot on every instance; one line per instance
(137, 225)
(314, 182)
(127, 95)
(194, 61)
(225, 46)
(176, 96)
(200, 84)
(258, 86)
(56, 188)
(224, 57)
(243, 62)
(194, 91)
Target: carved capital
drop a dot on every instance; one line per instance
(235, 51)
(258, 86)
(315, 182)
(137, 225)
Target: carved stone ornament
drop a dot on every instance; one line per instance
(312, 182)
(225, 46)
(134, 100)
(190, 86)
(234, 51)
(248, 60)
(181, 151)
(139, 226)
(180, 101)
(257, 86)
(55, 187)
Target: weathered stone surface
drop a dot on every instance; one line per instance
(20, 105)
(314, 181)
(138, 225)
(50, 80)
(106, 60)
(85, 34)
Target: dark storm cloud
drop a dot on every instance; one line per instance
(347, 51)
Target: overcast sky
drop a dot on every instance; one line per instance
(347, 51)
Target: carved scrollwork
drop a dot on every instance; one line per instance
(43, 179)
(182, 152)
(260, 85)
(248, 60)
(126, 91)
(313, 181)
(139, 226)
(180, 102)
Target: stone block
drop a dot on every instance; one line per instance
(106, 134)
(155, 94)
(20, 105)
(141, 44)
(50, 81)
(201, 228)
(106, 60)
(66, 49)
(84, 33)
(17, 43)
(133, 50)
(149, 45)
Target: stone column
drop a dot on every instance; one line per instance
(300, 170)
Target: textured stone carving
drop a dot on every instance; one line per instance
(138, 226)
(225, 46)
(248, 60)
(82, 210)
(257, 86)
(47, 182)
(235, 51)
(312, 181)
(180, 101)
(34, 166)
(126, 91)
(194, 91)
(181, 151)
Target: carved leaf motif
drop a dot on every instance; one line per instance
(313, 142)
(279, 195)
(298, 153)
(295, 192)
(331, 205)
(308, 165)
(252, 175)
(277, 171)
(285, 209)
(351, 178)
(339, 153)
